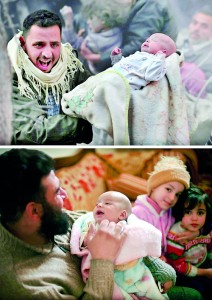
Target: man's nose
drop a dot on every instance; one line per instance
(63, 193)
(47, 52)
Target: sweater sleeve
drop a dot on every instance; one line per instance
(175, 257)
(100, 281)
(161, 271)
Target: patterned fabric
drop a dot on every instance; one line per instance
(141, 68)
(155, 115)
(131, 274)
(186, 258)
(209, 142)
(84, 182)
(53, 107)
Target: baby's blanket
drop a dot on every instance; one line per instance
(103, 100)
(157, 113)
(130, 273)
(154, 115)
(142, 239)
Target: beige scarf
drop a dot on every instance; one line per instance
(34, 82)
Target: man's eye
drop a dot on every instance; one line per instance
(38, 45)
(204, 26)
(54, 45)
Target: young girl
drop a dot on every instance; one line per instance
(165, 184)
(192, 261)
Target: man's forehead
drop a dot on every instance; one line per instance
(50, 32)
(203, 18)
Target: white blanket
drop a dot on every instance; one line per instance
(154, 115)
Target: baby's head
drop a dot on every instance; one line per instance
(112, 206)
(194, 209)
(159, 42)
(167, 181)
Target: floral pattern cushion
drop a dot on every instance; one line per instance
(83, 182)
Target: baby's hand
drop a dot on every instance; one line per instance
(161, 54)
(116, 51)
(167, 285)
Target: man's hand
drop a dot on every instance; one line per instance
(106, 242)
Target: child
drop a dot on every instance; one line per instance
(146, 65)
(165, 184)
(104, 20)
(192, 261)
(131, 274)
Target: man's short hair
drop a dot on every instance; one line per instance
(206, 10)
(41, 18)
(20, 180)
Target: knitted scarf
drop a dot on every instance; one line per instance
(32, 82)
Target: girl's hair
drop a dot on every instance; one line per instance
(191, 198)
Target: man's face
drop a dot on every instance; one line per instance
(43, 46)
(53, 220)
(200, 28)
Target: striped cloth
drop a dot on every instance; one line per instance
(53, 108)
(209, 142)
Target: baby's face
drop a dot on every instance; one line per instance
(152, 45)
(107, 208)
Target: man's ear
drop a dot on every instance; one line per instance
(123, 215)
(22, 41)
(34, 211)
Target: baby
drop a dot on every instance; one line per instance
(146, 65)
(131, 274)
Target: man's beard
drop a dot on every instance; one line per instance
(53, 221)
